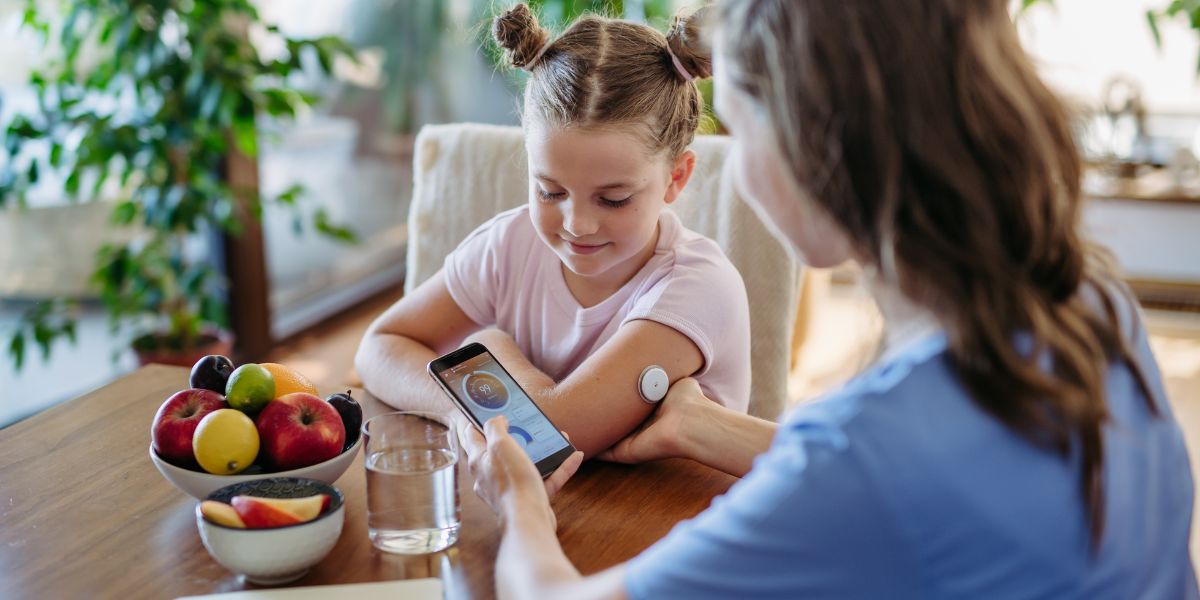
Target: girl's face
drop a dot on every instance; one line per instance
(595, 197)
(763, 179)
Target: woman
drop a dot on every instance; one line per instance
(1011, 440)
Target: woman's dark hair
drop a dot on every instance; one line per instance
(923, 130)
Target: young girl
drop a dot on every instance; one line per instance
(592, 281)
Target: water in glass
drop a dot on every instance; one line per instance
(412, 499)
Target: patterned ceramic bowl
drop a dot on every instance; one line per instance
(278, 554)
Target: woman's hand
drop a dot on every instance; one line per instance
(665, 433)
(505, 478)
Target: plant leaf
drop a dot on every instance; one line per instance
(245, 136)
(336, 232)
(290, 195)
(1152, 21)
(16, 349)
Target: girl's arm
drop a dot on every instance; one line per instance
(398, 346)
(598, 404)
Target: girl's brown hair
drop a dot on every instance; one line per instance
(605, 72)
(924, 131)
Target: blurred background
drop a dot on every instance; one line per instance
(141, 136)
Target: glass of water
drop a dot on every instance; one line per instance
(412, 488)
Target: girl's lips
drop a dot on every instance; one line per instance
(586, 249)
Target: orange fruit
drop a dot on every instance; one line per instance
(289, 380)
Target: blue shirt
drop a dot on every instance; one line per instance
(899, 486)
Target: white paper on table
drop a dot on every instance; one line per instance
(405, 589)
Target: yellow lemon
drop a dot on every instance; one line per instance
(289, 380)
(225, 442)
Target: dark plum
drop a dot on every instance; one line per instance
(351, 414)
(211, 373)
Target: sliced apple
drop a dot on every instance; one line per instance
(257, 514)
(305, 509)
(275, 512)
(221, 514)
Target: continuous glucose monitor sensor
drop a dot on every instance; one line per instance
(653, 384)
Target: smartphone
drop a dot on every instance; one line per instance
(480, 386)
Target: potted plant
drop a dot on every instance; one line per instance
(147, 101)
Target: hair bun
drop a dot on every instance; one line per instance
(686, 41)
(518, 33)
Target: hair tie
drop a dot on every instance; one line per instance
(679, 66)
(536, 57)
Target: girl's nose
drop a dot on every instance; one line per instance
(578, 222)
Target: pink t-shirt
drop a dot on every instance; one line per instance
(504, 276)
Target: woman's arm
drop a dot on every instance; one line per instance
(398, 346)
(598, 403)
(689, 425)
(530, 562)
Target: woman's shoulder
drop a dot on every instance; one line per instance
(914, 372)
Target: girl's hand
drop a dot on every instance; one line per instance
(505, 478)
(665, 433)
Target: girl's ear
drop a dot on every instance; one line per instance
(681, 172)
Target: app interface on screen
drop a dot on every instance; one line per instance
(487, 391)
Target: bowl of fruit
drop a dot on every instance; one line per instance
(271, 530)
(253, 422)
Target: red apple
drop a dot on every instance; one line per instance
(176, 420)
(300, 429)
(258, 512)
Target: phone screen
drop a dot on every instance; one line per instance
(485, 389)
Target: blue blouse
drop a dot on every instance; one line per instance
(899, 486)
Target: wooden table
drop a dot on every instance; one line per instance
(84, 514)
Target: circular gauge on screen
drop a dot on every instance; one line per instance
(486, 390)
(523, 438)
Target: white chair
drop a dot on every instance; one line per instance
(463, 174)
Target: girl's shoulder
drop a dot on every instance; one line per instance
(689, 255)
(510, 231)
(514, 221)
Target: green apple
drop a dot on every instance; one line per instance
(250, 388)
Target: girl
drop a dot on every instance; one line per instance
(1012, 440)
(592, 281)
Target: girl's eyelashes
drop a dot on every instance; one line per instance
(550, 196)
(606, 202)
(616, 203)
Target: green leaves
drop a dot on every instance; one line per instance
(245, 136)
(336, 232)
(43, 325)
(147, 101)
(1188, 9)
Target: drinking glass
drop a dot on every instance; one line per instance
(412, 487)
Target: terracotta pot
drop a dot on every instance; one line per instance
(209, 343)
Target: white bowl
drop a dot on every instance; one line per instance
(199, 484)
(278, 554)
